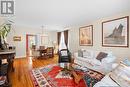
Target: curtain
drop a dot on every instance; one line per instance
(58, 37)
(66, 37)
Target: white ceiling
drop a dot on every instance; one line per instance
(57, 14)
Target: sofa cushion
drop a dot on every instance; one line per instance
(108, 59)
(109, 53)
(101, 55)
(96, 53)
(64, 53)
(96, 62)
(126, 62)
(80, 53)
(84, 59)
(87, 54)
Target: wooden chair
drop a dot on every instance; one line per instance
(33, 47)
(42, 47)
(50, 52)
(42, 51)
(35, 53)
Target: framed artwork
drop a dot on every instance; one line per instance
(17, 38)
(115, 33)
(86, 35)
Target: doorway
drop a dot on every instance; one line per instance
(31, 41)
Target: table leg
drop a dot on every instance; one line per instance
(10, 66)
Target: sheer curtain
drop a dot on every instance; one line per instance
(62, 44)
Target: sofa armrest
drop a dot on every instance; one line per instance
(109, 59)
(106, 82)
(76, 55)
(95, 62)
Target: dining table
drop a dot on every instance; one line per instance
(42, 52)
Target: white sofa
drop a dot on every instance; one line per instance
(118, 77)
(89, 60)
(106, 82)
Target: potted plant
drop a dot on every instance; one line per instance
(4, 30)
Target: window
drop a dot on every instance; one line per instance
(62, 42)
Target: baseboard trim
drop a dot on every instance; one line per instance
(19, 57)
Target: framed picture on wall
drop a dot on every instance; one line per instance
(17, 38)
(86, 35)
(115, 33)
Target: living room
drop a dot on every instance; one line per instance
(65, 43)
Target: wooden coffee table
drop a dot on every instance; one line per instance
(95, 75)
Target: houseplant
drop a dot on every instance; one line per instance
(4, 30)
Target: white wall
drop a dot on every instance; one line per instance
(119, 52)
(22, 31)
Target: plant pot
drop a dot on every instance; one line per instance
(1, 44)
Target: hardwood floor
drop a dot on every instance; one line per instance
(21, 77)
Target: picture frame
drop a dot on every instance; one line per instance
(17, 38)
(115, 33)
(86, 35)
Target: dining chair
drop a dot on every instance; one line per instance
(50, 52)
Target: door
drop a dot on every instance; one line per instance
(31, 40)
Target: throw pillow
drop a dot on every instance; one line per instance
(64, 53)
(101, 55)
(80, 53)
(121, 75)
(87, 54)
(126, 62)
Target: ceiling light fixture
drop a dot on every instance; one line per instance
(44, 33)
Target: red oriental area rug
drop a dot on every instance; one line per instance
(51, 76)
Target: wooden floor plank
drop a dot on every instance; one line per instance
(21, 76)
